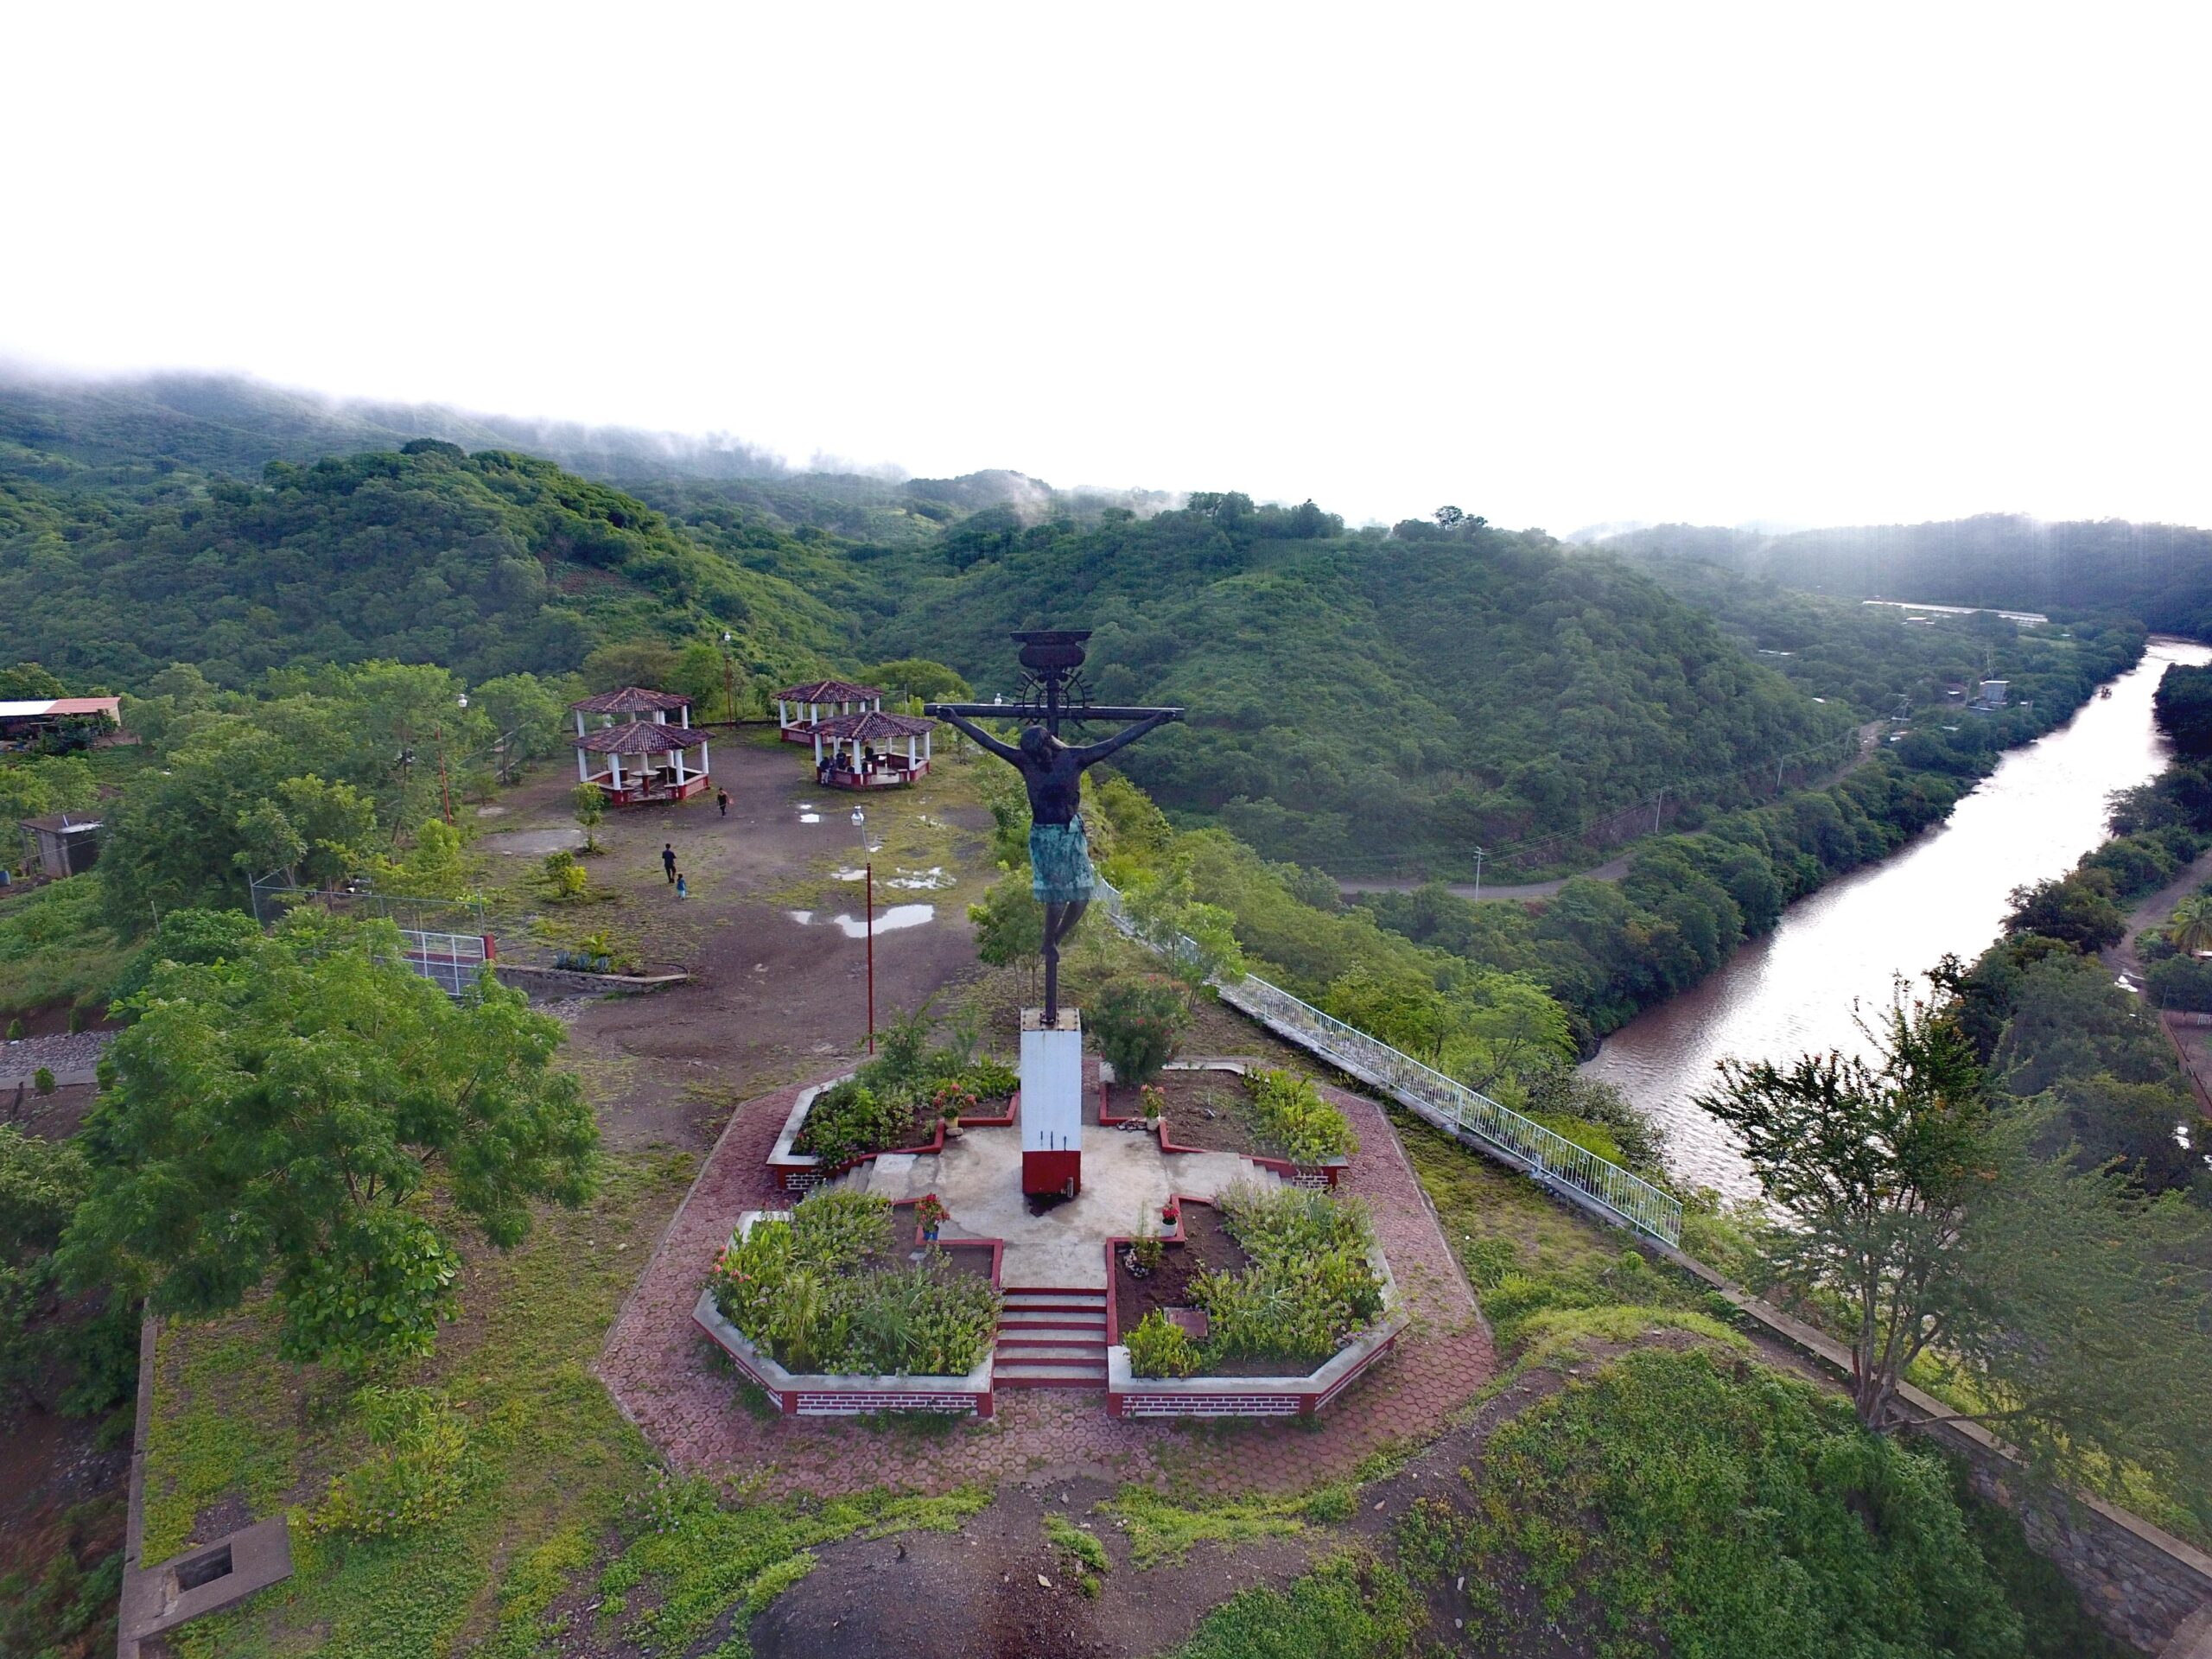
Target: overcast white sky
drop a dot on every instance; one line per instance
(1554, 263)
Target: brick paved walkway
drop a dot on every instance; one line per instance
(664, 1375)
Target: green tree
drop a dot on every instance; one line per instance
(526, 714)
(2071, 908)
(2190, 928)
(2080, 1312)
(279, 1119)
(918, 677)
(1009, 923)
(1135, 1024)
(590, 801)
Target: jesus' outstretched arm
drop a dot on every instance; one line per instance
(1004, 751)
(1091, 753)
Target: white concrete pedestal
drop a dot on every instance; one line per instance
(1051, 1103)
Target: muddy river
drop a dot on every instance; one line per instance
(1795, 990)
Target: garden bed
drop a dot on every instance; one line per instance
(1206, 1246)
(841, 1306)
(1211, 1108)
(1260, 1263)
(889, 1121)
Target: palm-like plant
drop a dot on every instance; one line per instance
(2190, 926)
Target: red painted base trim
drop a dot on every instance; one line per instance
(1052, 1171)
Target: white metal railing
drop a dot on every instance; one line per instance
(1575, 1172)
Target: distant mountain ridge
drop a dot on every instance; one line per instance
(2159, 574)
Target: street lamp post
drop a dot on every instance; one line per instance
(438, 733)
(730, 690)
(867, 878)
(1479, 857)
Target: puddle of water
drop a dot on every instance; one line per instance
(810, 817)
(806, 806)
(886, 921)
(921, 881)
(850, 875)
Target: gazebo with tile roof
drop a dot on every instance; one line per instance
(800, 708)
(859, 752)
(646, 758)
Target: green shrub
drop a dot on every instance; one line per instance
(921, 1319)
(1136, 1024)
(42, 1081)
(849, 1119)
(1309, 1288)
(828, 1292)
(15, 1031)
(418, 1474)
(2181, 982)
(1159, 1347)
(1294, 1117)
(991, 1080)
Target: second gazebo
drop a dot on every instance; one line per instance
(800, 708)
(863, 751)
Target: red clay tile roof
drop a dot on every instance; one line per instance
(829, 692)
(872, 725)
(639, 737)
(630, 700)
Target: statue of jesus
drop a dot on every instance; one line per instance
(1059, 852)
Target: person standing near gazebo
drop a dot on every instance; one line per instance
(668, 860)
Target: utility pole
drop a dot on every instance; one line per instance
(867, 876)
(729, 693)
(1478, 874)
(1658, 805)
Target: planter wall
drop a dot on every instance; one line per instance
(817, 1395)
(1290, 1396)
(1319, 1176)
(800, 1172)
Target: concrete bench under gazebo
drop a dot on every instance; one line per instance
(800, 708)
(863, 751)
(635, 755)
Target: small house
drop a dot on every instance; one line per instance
(66, 843)
(74, 723)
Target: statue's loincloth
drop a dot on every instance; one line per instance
(1059, 863)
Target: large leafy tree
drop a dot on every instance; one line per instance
(2078, 1312)
(312, 1118)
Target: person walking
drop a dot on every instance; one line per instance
(722, 800)
(682, 890)
(668, 860)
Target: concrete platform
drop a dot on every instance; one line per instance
(1126, 1177)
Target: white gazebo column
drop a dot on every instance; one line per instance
(911, 762)
(580, 722)
(703, 757)
(925, 744)
(683, 717)
(615, 760)
(679, 768)
(817, 751)
(584, 767)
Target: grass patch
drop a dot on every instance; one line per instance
(1161, 1530)
(552, 1463)
(1081, 1548)
(702, 1559)
(1693, 1503)
(54, 947)
(229, 1430)
(1348, 1607)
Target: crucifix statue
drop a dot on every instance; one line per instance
(1059, 852)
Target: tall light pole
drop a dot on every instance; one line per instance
(867, 877)
(730, 692)
(1479, 855)
(438, 732)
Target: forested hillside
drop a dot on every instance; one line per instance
(2161, 574)
(1366, 700)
